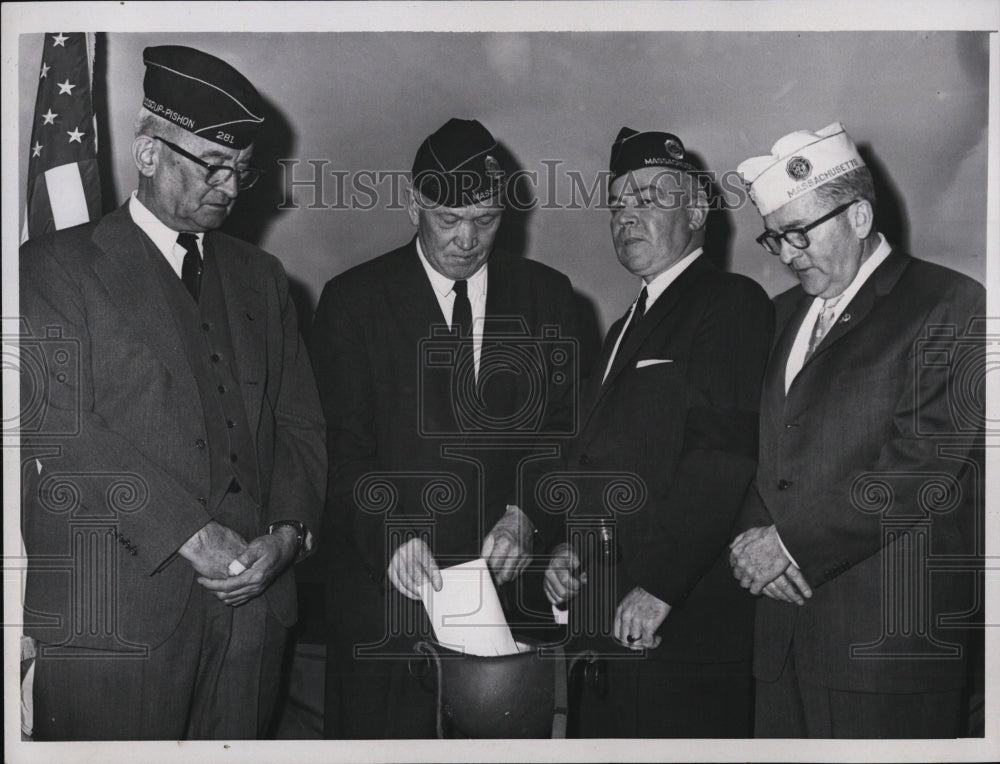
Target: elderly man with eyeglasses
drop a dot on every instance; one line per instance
(869, 470)
(179, 413)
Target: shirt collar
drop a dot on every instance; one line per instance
(163, 237)
(867, 268)
(443, 285)
(659, 284)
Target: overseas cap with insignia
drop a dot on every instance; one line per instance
(799, 162)
(202, 94)
(458, 165)
(633, 150)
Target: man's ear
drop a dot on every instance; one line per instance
(146, 155)
(862, 219)
(698, 208)
(412, 203)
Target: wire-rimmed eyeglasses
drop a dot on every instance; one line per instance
(771, 240)
(218, 173)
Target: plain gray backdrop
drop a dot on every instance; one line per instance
(916, 102)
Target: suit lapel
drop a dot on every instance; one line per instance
(246, 312)
(774, 378)
(411, 295)
(878, 284)
(664, 306)
(499, 292)
(125, 271)
(594, 383)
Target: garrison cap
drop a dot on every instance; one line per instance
(202, 94)
(633, 150)
(799, 162)
(458, 165)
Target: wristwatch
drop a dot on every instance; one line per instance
(300, 532)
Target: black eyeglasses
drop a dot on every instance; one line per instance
(218, 173)
(771, 241)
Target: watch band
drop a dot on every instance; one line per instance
(300, 531)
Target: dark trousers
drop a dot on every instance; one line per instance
(370, 690)
(216, 677)
(650, 698)
(794, 707)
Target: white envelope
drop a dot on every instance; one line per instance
(652, 362)
(466, 613)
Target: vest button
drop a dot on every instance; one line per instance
(206, 326)
(233, 458)
(784, 484)
(200, 443)
(203, 501)
(222, 388)
(215, 357)
(230, 423)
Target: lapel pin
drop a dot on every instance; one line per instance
(845, 318)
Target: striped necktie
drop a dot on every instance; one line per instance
(823, 323)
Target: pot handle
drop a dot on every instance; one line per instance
(426, 648)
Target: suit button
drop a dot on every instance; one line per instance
(215, 357)
(230, 423)
(233, 458)
(203, 501)
(222, 388)
(784, 484)
(584, 460)
(206, 326)
(200, 443)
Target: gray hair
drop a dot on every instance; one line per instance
(152, 125)
(856, 184)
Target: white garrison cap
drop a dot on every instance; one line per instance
(799, 163)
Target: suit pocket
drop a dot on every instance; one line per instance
(646, 363)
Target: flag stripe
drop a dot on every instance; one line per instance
(39, 217)
(67, 199)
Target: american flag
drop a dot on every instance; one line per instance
(63, 184)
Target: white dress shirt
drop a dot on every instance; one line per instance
(164, 238)
(654, 289)
(444, 290)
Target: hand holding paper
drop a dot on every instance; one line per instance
(465, 611)
(412, 566)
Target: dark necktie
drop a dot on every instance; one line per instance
(637, 314)
(461, 312)
(636, 317)
(191, 270)
(461, 321)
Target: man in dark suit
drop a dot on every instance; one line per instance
(870, 464)
(175, 467)
(442, 366)
(671, 408)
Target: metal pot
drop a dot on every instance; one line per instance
(506, 696)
